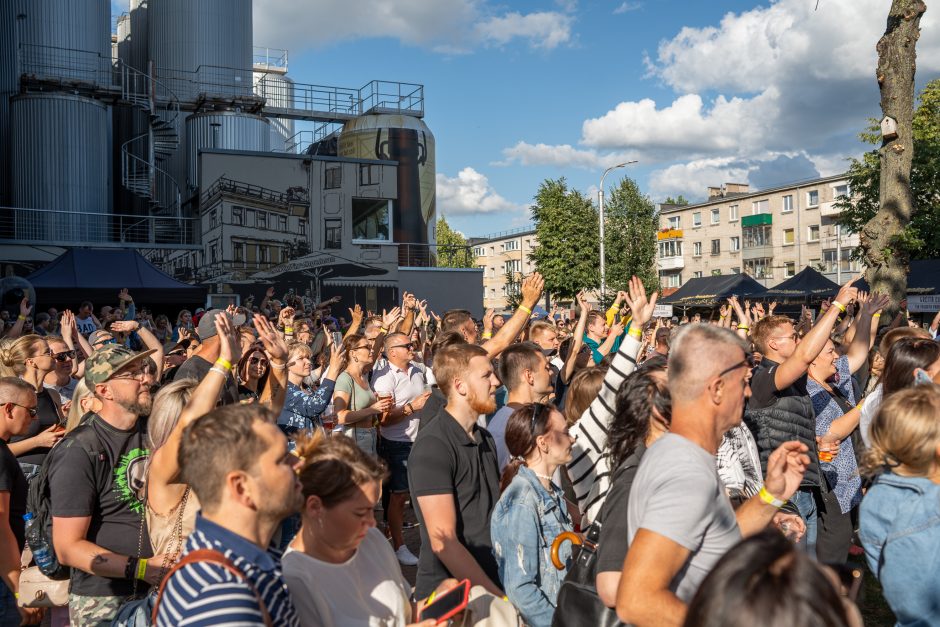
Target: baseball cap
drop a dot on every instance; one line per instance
(103, 363)
(206, 328)
(96, 336)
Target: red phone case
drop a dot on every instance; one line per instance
(465, 584)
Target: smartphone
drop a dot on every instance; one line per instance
(337, 339)
(921, 377)
(447, 604)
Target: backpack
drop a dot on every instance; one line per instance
(37, 503)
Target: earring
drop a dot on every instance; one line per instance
(320, 521)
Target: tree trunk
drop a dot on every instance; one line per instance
(883, 245)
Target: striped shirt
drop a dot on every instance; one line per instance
(589, 467)
(204, 593)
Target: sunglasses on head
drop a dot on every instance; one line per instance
(537, 410)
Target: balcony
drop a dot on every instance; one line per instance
(759, 219)
(828, 209)
(670, 263)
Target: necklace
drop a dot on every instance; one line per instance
(543, 477)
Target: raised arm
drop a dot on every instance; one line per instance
(355, 315)
(408, 305)
(17, 329)
(276, 349)
(147, 337)
(578, 340)
(863, 339)
(532, 287)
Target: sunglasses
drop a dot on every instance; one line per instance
(64, 356)
(105, 342)
(749, 361)
(410, 346)
(537, 411)
(32, 411)
(257, 360)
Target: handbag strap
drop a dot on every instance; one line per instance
(215, 557)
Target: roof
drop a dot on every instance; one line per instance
(756, 193)
(710, 290)
(808, 283)
(98, 274)
(923, 279)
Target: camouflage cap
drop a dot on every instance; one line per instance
(105, 362)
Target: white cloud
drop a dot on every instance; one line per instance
(563, 155)
(450, 26)
(627, 6)
(691, 179)
(470, 192)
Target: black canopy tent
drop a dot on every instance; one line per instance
(808, 284)
(98, 274)
(710, 291)
(923, 279)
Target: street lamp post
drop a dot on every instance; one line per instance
(600, 217)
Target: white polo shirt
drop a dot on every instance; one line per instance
(406, 387)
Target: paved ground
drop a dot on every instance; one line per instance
(412, 539)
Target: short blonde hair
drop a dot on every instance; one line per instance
(15, 352)
(764, 328)
(906, 432)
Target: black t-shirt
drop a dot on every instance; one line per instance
(614, 539)
(106, 486)
(197, 368)
(13, 481)
(444, 460)
(764, 392)
(46, 416)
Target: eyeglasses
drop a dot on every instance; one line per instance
(32, 411)
(140, 375)
(410, 346)
(105, 342)
(64, 356)
(792, 336)
(749, 361)
(365, 346)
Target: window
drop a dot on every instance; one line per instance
(789, 269)
(333, 234)
(334, 177)
(733, 213)
(368, 174)
(697, 249)
(302, 226)
(479, 251)
(371, 219)
(214, 253)
(238, 215)
(283, 254)
(264, 254)
(787, 204)
(512, 244)
(716, 247)
(671, 279)
(760, 206)
(213, 218)
(238, 250)
(716, 216)
(847, 264)
(840, 190)
(697, 219)
(249, 217)
(812, 198)
(514, 265)
(282, 224)
(813, 233)
(735, 244)
(697, 274)
(735, 269)
(788, 237)
(716, 272)
(675, 222)
(758, 268)
(670, 248)
(756, 236)
(261, 218)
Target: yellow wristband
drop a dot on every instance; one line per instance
(225, 363)
(722, 317)
(384, 330)
(634, 332)
(487, 335)
(16, 595)
(21, 317)
(142, 568)
(744, 327)
(525, 309)
(288, 330)
(838, 306)
(876, 315)
(770, 499)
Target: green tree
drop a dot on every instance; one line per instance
(513, 289)
(630, 236)
(566, 228)
(679, 200)
(452, 248)
(922, 236)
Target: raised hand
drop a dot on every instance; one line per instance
(847, 293)
(286, 317)
(337, 353)
(616, 329)
(127, 326)
(274, 344)
(123, 296)
(771, 307)
(640, 304)
(355, 314)
(488, 320)
(741, 313)
(25, 307)
(230, 346)
(582, 301)
(408, 301)
(532, 287)
(724, 310)
(389, 317)
(69, 327)
(269, 293)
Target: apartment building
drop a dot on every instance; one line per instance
(499, 256)
(769, 234)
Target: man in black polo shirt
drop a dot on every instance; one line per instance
(454, 477)
(780, 408)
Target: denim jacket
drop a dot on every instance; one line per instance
(899, 526)
(523, 526)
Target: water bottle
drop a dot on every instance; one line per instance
(42, 552)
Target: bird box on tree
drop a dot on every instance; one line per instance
(889, 128)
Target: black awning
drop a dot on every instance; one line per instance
(808, 283)
(709, 291)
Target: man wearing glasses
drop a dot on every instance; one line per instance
(95, 476)
(680, 517)
(398, 376)
(60, 378)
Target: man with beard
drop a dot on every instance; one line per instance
(95, 474)
(454, 477)
(236, 461)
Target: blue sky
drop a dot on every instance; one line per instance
(700, 92)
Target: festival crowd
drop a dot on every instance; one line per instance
(259, 465)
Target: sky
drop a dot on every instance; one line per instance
(699, 92)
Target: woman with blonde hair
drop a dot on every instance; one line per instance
(302, 406)
(899, 522)
(83, 401)
(29, 358)
(583, 390)
(357, 408)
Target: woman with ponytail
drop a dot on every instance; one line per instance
(531, 511)
(899, 520)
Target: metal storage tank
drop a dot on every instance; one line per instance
(407, 140)
(278, 89)
(211, 37)
(132, 41)
(8, 87)
(61, 149)
(226, 130)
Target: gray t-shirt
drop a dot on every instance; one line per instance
(497, 429)
(678, 495)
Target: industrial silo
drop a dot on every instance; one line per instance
(8, 87)
(132, 38)
(409, 141)
(278, 91)
(225, 130)
(60, 145)
(209, 40)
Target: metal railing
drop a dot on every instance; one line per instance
(300, 141)
(383, 96)
(415, 255)
(225, 185)
(269, 58)
(55, 227)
